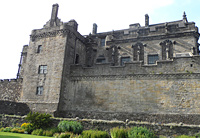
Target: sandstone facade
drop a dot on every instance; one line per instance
(151, 69)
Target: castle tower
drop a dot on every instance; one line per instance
(50, 52)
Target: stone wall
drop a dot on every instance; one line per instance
(13, 108)
(167, 129)
(10, 90)
(170, 87)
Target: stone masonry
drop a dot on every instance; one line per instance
(150, 70)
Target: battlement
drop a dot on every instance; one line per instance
(65, 29)
(10, 89)
(11, 80)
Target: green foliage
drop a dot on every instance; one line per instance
(38, 132)
(184, 136)
(197, 134)
(65, 135)
(94, 134)
(17, 130)
(1, 129)
(28, 128)
(56, 135)
(70, 126)
(140, 132)
(76, 136)
(48, 133)
(118, 133)
(39, 120)
(7, 129)
(1, 124)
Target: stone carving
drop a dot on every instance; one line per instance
(167, 49)
(138, 51)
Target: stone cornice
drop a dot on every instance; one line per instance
(138, 77)
(154, 37)
(55, 33)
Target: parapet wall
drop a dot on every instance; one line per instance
(174, 66)
(10, 90)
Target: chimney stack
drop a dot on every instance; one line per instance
(94, 30)
(146, 20)
(54, 14)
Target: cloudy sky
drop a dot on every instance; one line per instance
(19, 17)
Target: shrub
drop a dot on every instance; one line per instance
(118, 133)
(21, 131)
(94, 134)
(184, 136)
(56, 135)
(48, 133)
(1, 129)
(24, 125)
(39, 120)
(28, 128)
(7, 129)
(76, 136)
(38, 132)
(65, 135)
(70, 126)
(140, 132)
(15, 130)
(54, 130)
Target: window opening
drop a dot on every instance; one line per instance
(152, 59)
(43, 69)
(39, 90)
(103, 42)
(77, 59)
(125, 60)
(39, 49)
(101, 60)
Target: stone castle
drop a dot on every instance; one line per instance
(151, 69)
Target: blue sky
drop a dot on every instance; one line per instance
(19, 17)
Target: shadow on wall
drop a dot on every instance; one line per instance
(13, 108)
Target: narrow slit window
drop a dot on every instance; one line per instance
(39, 50)
(77, 59)
(103, 42)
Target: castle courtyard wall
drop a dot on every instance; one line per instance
(170, 87)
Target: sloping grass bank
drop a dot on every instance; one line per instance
(16, 135)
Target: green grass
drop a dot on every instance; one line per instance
(16, 135)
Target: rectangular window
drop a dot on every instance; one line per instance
(101, 60)
(124, 60)
(39, 49)
(103, 42)
(39, 90)
(152, 59)
(43, 69)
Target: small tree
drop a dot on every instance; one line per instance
(39, 120)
